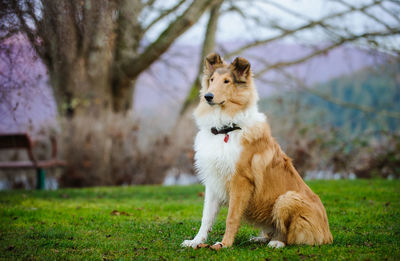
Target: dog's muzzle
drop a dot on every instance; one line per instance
(209, 97)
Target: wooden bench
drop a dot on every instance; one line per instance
(23, 141)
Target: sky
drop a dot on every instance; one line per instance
(232, 26)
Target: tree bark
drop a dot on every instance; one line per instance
(122, 94)
(78, 63)
(129, 33)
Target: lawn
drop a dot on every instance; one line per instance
(150, 222)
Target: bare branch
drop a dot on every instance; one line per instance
(288, 32)
(289, 11)
(25, 28)
(364, 11)
(208, 47)
(133, 67)
(149, 3)
(395, 16)
(164, 14)
(343, 40)
(363, 108)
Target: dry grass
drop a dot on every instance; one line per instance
(106, 151)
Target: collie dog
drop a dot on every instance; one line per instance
(243, 166)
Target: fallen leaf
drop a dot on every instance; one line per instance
(119, 213)
(368, 244)
(115, 213)
(200, 194)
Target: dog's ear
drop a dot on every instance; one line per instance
(240, 69)
(212, 62)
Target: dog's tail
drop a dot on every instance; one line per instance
(301, 220)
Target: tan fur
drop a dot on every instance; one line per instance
(237, 95)
(266, 189)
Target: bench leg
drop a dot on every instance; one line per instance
(40, 178)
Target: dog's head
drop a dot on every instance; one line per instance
(227, 86)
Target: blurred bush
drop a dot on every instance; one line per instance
(380, 159)
(106, 151)
(313, 148)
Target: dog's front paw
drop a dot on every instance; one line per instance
(191, 243)
(217, 246)
(276, 244)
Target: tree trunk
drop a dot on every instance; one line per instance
(208, 47)
(122, 95)
(76, 93)
(129, 33)
(79, 64)
(184, 130)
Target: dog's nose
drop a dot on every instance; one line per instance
(209, 96)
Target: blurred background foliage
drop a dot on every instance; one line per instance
(117, 81)
(348, 132)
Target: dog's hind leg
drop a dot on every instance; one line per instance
(297, 220)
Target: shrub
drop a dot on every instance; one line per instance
(107, 151)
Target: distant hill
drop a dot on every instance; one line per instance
(375, 87)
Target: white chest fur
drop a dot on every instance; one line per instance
(215, 159)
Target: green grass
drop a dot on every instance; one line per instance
(76, 224)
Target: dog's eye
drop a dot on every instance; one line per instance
(226, 81)
(212, 79)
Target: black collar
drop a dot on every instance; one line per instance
(225, 129)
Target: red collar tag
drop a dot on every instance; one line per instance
(226, 138)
